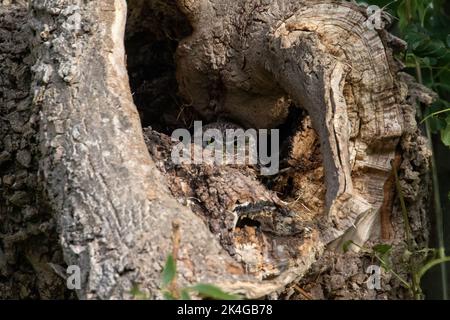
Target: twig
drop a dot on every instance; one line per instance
(176, 237)
(404, 210)
(436, 195)
(303, 292)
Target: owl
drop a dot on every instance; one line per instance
(238, 145)
(224, 195)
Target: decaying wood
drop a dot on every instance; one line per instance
(389, 189)
(114, 202)
(323, 57)
(227, 195)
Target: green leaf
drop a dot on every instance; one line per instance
(135, 290)
(213, 292)
(169, 271)
(445, 133)
(424, 45)
(168, 296)
(432, 48)
(137, 293)
(346, 246)
(416, 39)
(443, 86)
(382, 248)
(448, 40)
(437, 124)
(185, 295)
(402, 16)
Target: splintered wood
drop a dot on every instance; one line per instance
(246, 60)
(323, 58)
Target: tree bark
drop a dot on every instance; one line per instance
(113, 201)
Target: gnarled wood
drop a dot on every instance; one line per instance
(245, 58)
(322, 55)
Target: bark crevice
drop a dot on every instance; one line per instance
(113, 190)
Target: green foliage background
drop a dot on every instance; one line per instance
(425, 25)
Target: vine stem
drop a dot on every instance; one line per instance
(407, 226)
(436, 196)
(415, 288)
(385, 265)
(431, 265)
(435, 114)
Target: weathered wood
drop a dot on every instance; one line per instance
(113, 207)
(108, 197)
(321, 55)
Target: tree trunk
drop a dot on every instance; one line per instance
(118, 201)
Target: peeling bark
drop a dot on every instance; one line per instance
(114, 198)
(321, 55)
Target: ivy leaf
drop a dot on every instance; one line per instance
(443, 86)
(422, 9)
(432, 48)
(135, 290)
(213, 292)
(445, 133)
(417, 40)
(437, 124)
(403, 19)
(383, 251)
(169, 271)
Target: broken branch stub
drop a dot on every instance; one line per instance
(111, 200)
(322, 55)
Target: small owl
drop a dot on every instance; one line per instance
(223, 195)
(234, 139)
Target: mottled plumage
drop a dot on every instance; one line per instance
(221, 194)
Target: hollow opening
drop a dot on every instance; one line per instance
(153, 32)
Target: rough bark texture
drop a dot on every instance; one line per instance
(320, 54)
(114, 202)
(28, 239)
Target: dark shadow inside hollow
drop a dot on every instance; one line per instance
(153, 31)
